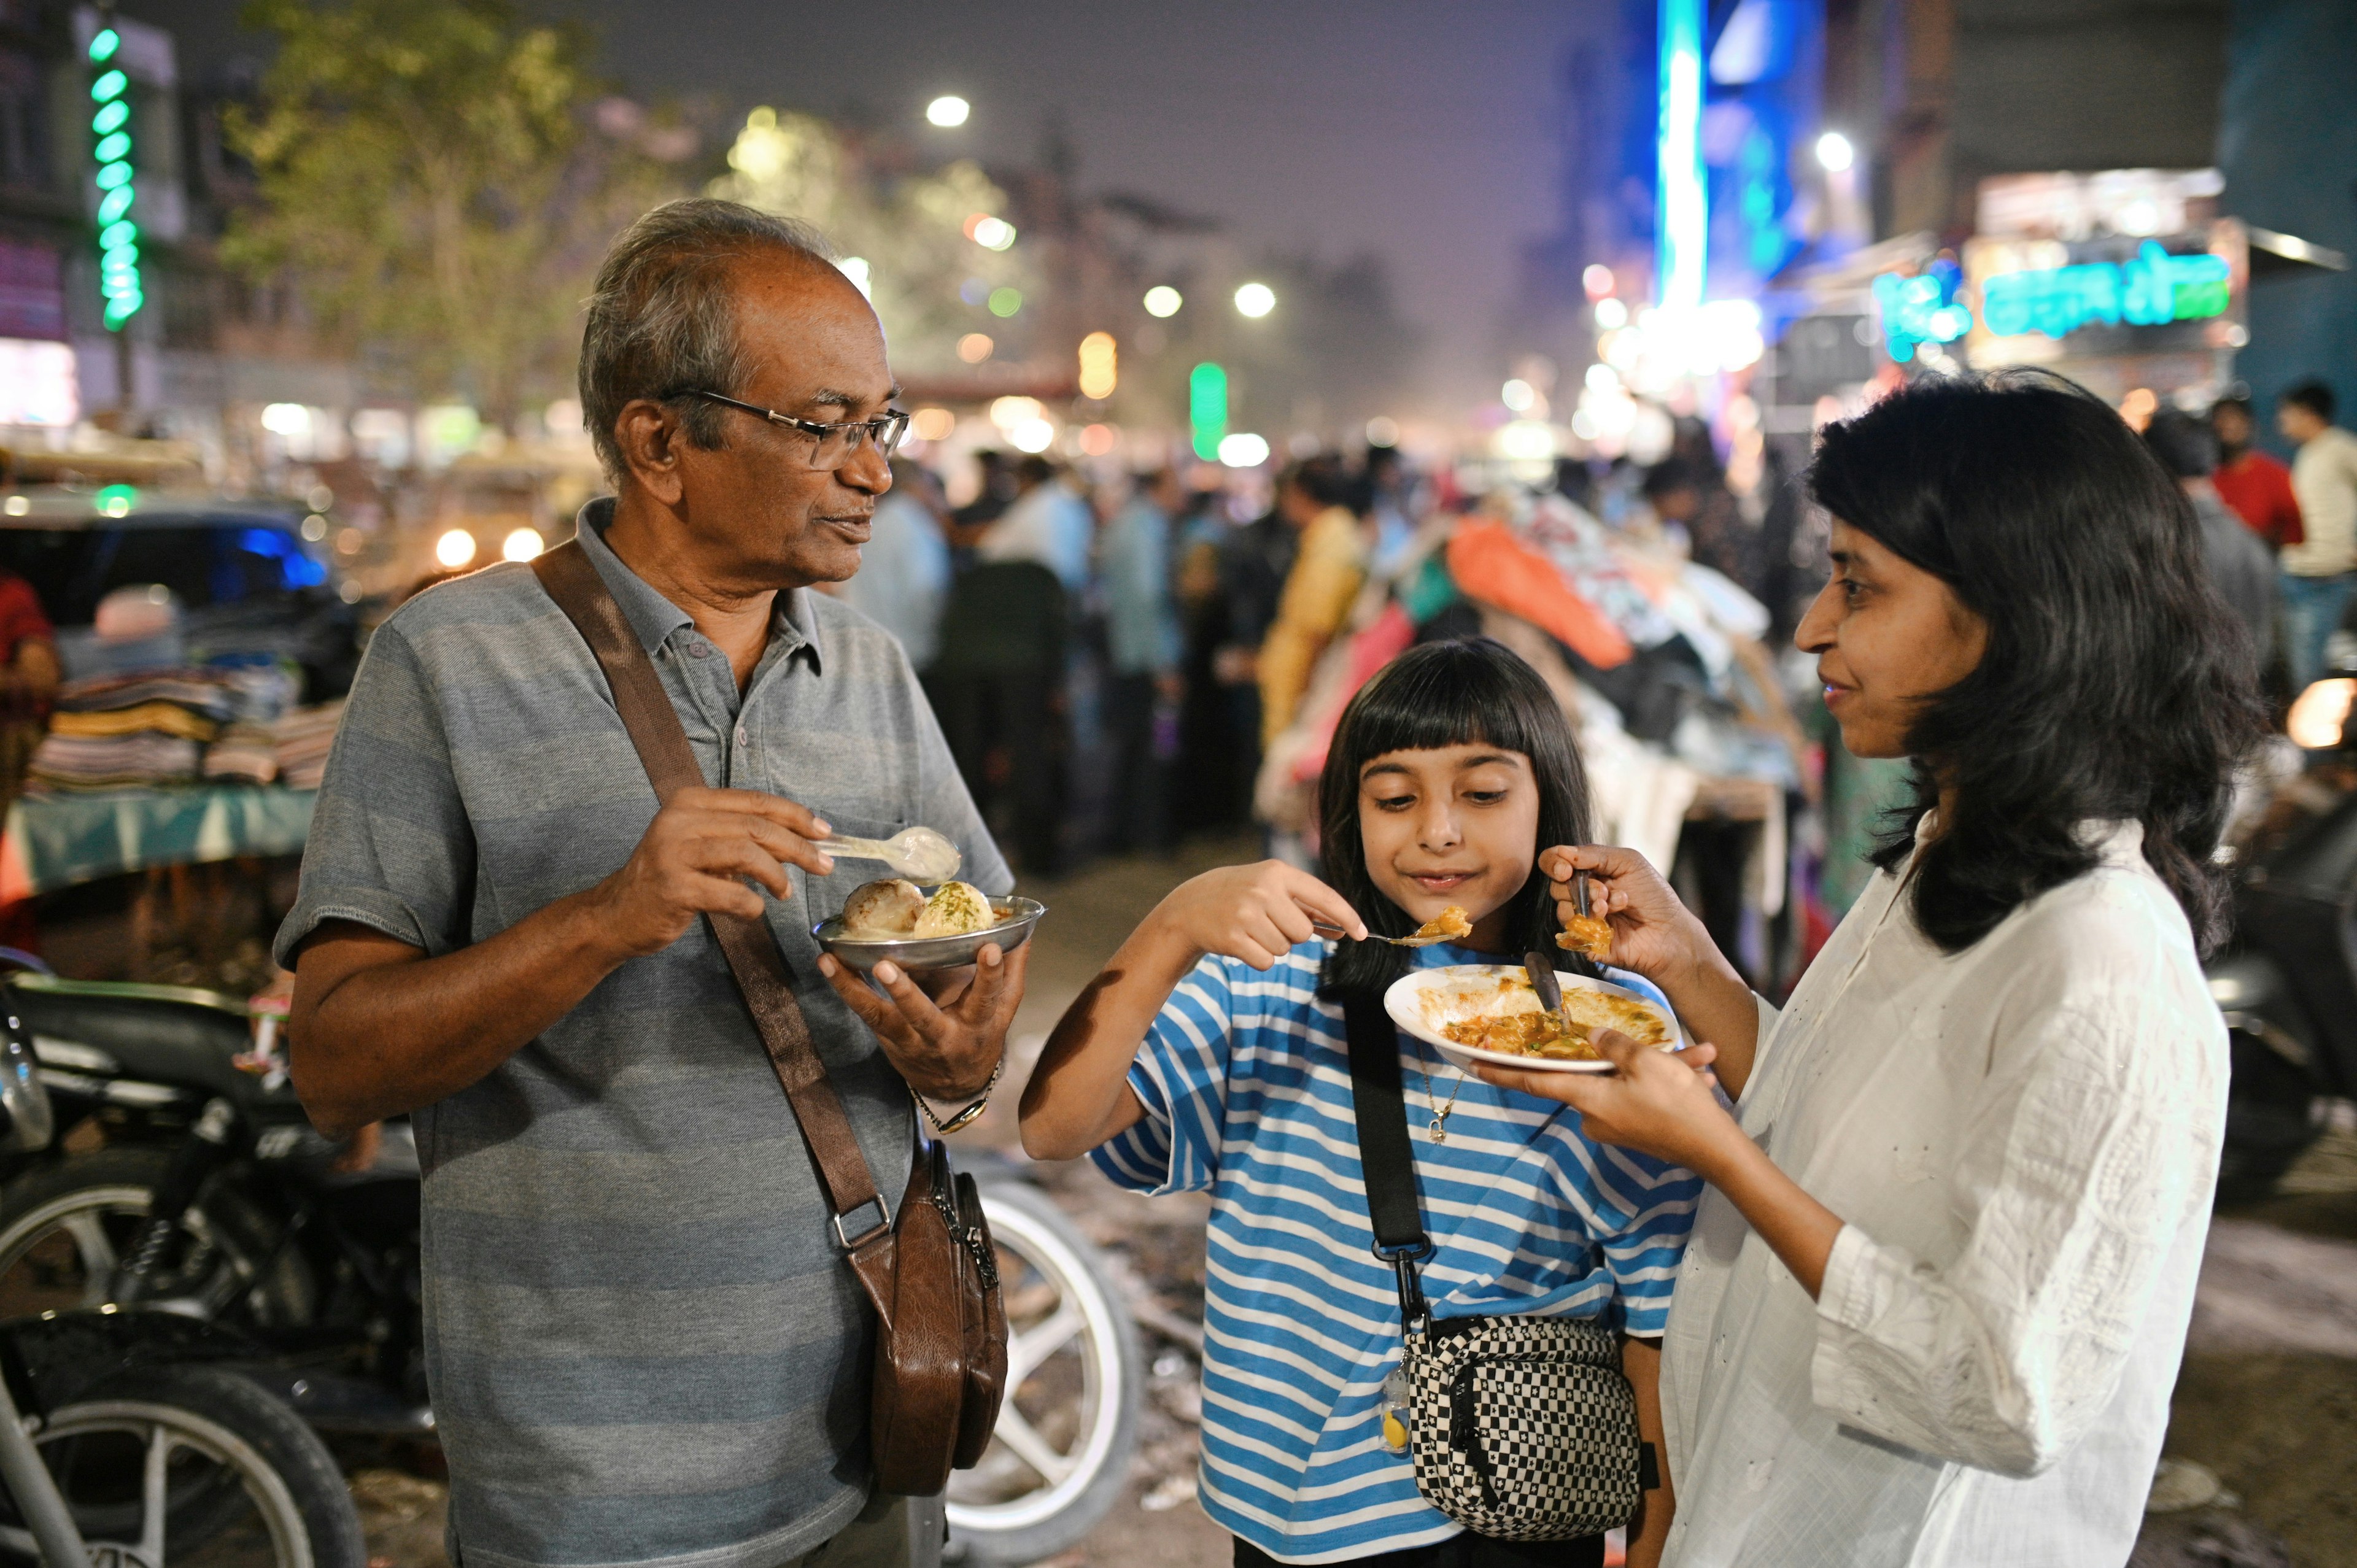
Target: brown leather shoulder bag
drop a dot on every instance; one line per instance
(928, 1270)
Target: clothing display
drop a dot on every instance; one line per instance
(168, 728)
(303, 739)
(245, 753)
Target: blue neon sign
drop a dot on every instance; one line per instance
(1683, 224)
(1920, 309)
(2152, 290)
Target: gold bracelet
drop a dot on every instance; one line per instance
(963, 1117)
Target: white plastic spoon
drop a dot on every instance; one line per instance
(921, 854)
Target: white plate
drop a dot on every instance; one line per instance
(1421, 1001)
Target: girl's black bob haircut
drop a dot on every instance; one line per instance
(1476, 692)
(2116, 686)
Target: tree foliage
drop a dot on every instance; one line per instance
(430, 180)
(924, 274)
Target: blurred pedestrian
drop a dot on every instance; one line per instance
(1252, 565)
(1312, 498)
(1142, 656)
(993, 493)
(997, 681)
(1672, 495)
(1049, 522)
(29, 678)
(2320, 571)
(2242, 568)
(1388, 491)
(2253, 483)
(904, 567)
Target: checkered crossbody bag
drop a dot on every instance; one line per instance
(1521, 1428)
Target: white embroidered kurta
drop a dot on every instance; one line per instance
(2021, 1140)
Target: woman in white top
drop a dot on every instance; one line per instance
(1937, 1293)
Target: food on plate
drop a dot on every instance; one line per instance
(1563, 1037)
(886, 908)
(954, 909)
(1590, 936)
(1451, 925)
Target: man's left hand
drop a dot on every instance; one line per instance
(946, 1051)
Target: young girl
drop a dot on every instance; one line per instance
(1449, 773)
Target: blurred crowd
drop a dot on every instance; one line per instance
(1114, 655)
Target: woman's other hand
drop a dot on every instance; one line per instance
(1653, 932)
(1255, 913)
(1658, 1103)
(1657, 936)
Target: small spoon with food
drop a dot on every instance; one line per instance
(1449, 926)
(921, 854)
(1586, 934)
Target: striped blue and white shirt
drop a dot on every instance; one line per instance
(1246, 1082)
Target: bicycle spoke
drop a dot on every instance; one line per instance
(154, 1497)
(1028, 1446)
(1026, 1349)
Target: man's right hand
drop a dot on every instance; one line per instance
(695, 858)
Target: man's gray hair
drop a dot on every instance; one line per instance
(661, 320)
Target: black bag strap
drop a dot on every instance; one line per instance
(1386, 1161)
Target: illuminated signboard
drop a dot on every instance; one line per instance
(1920, 309)
(2043, 301)
(2151, 289)
(110, 129)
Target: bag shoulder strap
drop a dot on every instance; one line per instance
(766, 983)
(1386, 1160)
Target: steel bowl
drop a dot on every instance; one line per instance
(1016, 918)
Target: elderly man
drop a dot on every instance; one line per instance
(643, 1342)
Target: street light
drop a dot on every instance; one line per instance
(1833, 152)
(1162, 301)
(1255, 300)
(948, 110)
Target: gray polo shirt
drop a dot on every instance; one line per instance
(642, 1344)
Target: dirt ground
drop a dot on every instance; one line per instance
(2268, 1401)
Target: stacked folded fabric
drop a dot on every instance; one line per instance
(116, 732)
(303, 739)
(246, 753)
(142, 759)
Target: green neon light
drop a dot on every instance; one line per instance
(1207, 408)
(118, 273)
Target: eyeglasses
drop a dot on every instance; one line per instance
(835, 443)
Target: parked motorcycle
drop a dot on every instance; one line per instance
(118, 1449)
(214, 1199)
(2288, 985)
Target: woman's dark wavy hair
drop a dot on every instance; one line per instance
(1475, 692)
(2116, 686)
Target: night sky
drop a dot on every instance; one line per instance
(1421, 131)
